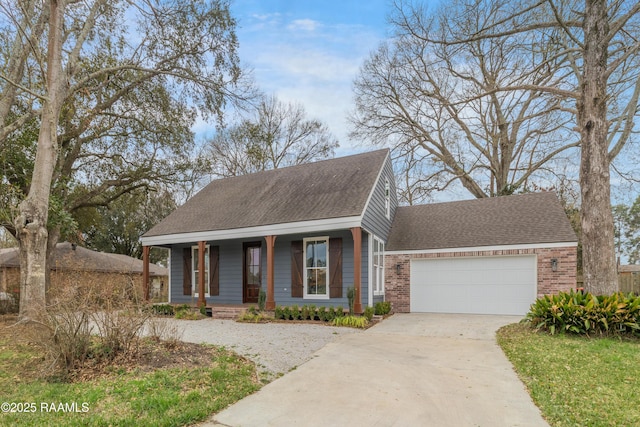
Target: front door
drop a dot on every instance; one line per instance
(252, 273)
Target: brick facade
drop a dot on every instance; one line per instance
(398, 271)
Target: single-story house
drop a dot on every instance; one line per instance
(305, 234)
(71, 264)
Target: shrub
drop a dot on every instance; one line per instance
(286, 313)
(304, 313)
(322, 313)
(368, 313)
(164, 330)
(278, 313)
(295, 312)
(254, 316)
(351, 321)
(351, 296)
(262, 300)
(585, 314)
(162, 309)
(382, 308)
(185, 312)
(89, 321)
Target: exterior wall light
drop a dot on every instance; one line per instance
(398, 268)
(554, 264)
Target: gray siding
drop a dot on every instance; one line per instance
(231, 271)
(374, 219)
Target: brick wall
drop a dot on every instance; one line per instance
(397, 287)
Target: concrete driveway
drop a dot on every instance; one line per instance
(410, 370)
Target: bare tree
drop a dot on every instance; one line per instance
(278, 135)
(445, 105)
(599, 46)
(587, 55)
(113, 89)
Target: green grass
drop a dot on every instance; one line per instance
(577, 381)
(164, 397)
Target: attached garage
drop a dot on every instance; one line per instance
(480, 285)
(483, 256)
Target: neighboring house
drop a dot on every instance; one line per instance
(72, 264)
(305, 234)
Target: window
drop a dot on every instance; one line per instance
(196, 270)
(378, 266)
(316, 265)
(387, 198)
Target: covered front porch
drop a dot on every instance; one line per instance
(301, 268)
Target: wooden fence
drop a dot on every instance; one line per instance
(628, 282)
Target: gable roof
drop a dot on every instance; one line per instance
(71, 257)
(335, 188)
(497, 221)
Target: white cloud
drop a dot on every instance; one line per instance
(308, 25)
(308, 61)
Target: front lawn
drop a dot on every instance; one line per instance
(577, 381)
(169, 386)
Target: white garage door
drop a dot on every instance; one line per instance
(489, 285)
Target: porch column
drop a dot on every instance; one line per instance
(270, 303)
(201, 249)
(145, 272)
(357, 268)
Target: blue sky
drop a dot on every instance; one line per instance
(309, 52)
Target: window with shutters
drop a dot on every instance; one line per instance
(378, 266)
(196, 270)
(316, 265)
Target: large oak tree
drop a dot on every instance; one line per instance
(113, 88)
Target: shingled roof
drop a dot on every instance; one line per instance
(497, 221)
(326, 189)
(71, 257)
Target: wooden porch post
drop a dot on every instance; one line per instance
(270, 303)
(201, 249)
(357, 268)
(145, 272)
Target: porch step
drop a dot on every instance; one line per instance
(221, 312)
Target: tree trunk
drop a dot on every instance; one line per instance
(598, 250)
(31, 221)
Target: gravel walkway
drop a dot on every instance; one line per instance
(276, 348)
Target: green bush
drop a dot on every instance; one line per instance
(278, 313)
(262, 300)
(368, 313)
(162, 309)
(351, 295)
(351, 321)
(586, 314)
(324, 314)
(295, 312)
(382, 308)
